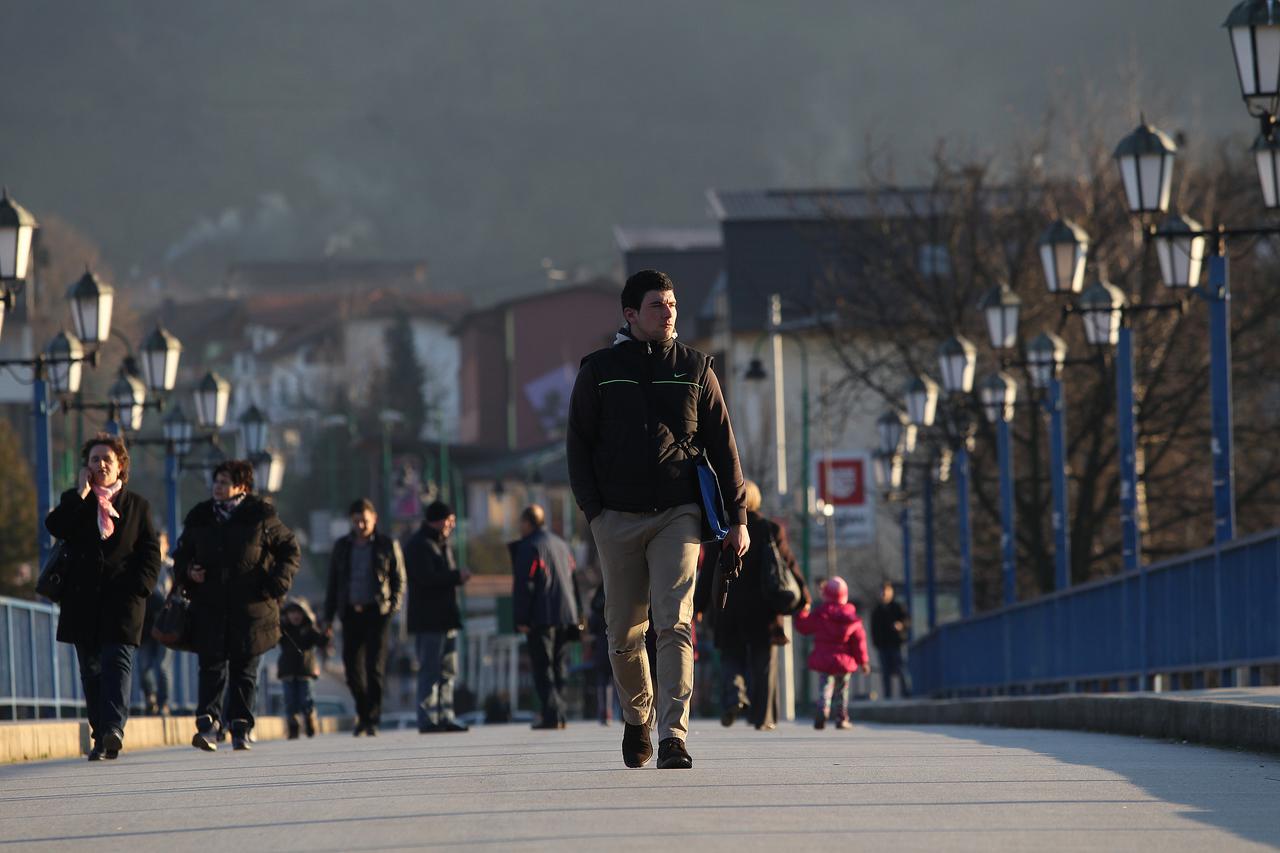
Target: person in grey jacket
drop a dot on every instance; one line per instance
(366, 585)
(545, 607)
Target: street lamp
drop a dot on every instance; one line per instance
(65, 357)
(1001, 306)
(17, 228)
(1180, 245)
(268, 471)
(178, 430)
(1145, 158)
(999, 392)
(897, 434)
(957, 358)
(1046, 354)
(128, 395)
(160, 354)
(1254, 29)
(1101, 306)
(1064, 248)
(91, 301)
(212, 395)
(921, 395)
(253, 432)
(1266, 155)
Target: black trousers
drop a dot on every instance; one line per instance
(746, 679)
(104, 675)
(364, 658)
(237, 679)
(549, 664)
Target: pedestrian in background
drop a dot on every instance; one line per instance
(434, 616)
(746, 628)
(839, 649)
(297, 667)
(113, 556)
(152, 657)
(889, 621)
(545, 607)
(365, 585)
(236, 560)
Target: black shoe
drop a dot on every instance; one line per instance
(428, 728)
(97, 753)
(358, 729)
(672, 755)
(547, 724)
(310, 723)
(112, 744)
(453, 726)
(727, 718)
(820, 721)
(240, 736)
(637, 749)
(294, 728)
(371, 729)
(206, 736)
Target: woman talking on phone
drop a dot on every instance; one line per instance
(236, 559)
(114, 559)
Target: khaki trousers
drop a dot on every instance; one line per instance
(648, 561)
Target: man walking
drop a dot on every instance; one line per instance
(642, 412)
(545, 605)
(889, 622)
(366, 586)
(435, 615)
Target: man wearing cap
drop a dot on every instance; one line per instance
(642, 412)
(434, 616)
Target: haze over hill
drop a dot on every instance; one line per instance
(484, 136)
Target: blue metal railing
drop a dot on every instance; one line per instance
(1215, 609)
(39, 676)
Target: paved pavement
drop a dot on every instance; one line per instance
(796, 789)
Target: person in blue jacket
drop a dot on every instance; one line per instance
(545, 604)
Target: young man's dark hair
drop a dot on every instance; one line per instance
(361, 505)
(238, 471)
(641, 283)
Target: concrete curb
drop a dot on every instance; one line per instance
(1219, 722)
(39, 740)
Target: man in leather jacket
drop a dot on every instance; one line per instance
(642, 412)
(366, 586)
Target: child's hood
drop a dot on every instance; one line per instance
(308, 615)
(842, 613)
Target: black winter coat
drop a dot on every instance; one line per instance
(249, 561)
(298, 643)
(543, 588)
(110, 580)
(434, 583)
(746, 617)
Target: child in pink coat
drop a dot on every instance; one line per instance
(839, 649)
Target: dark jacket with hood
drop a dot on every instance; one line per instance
(435, 582)
(249, 561)
(543, 589)
(298, 643)
(388, 572)
(110, 579)
(639, 415)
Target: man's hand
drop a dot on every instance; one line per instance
(738, 539)
(196, 573)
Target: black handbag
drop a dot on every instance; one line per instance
(778, 586)
(55, 574)
(174, 627)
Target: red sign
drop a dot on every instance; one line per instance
(842, 481)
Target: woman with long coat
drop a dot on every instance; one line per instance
(236, 560)
(114, 559)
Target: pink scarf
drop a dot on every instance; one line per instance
(107, 511)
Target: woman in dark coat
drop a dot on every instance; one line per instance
(114, 562)
(236, 560)
(747, 628)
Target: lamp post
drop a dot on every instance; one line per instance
(921, 395)
(1046, 355)
(998, 394)
(177, 434)
(956, 360)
